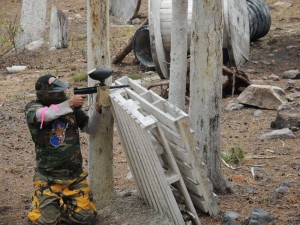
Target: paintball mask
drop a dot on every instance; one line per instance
(52, 93)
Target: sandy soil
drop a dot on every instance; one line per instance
(275, 53)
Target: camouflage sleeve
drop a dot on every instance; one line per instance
(81, 118)
(85, 123)
(30, 111)
(33, 125)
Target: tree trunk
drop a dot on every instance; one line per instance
(101, 144)
(33, 18)
(178, 67)
(206, 85)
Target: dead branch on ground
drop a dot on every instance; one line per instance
(236, 81)
(126, 49)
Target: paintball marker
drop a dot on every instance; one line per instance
(100, 74)
(101, 89)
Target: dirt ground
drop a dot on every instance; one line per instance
(277, 160)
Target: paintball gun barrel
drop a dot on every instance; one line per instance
(100, 74)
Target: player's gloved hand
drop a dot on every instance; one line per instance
(103, 96)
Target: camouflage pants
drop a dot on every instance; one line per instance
(56, 200)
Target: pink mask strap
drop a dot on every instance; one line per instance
(44, 111)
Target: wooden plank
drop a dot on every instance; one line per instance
(148, 107)
(161, 187)
(124, 121)
(171, 177)
(134, 128)
(205, 187)
(133, 84)
(176, 128)
(189, 172)
(181, 185)
(172, 136)
(180, 154)
(134, 164)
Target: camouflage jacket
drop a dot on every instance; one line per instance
(57, 143)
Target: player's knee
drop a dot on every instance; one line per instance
(87, 217)
(46, 218)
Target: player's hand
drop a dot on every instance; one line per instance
(77, 101)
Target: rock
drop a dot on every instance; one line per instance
(135, 21)
(257, 113)
(124, 193)
(293, 96)
(260, 217)
(294, 129)
(258, 82)
(251, 71)
(129, 176)
(263, 96)
(291, 83)
(256, 173)
(282, 188)
(288, 116)
(229, 218)
(291, 74)
(274, 77)
(15, 69)
(278, 134)
(278, 5)
(78, 16)
(35, 45)
(233, 106)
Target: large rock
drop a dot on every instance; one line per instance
(284, 133)
(288, 116)
(261, 217)
(291, 74)
(263, 96)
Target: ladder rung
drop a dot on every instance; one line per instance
(172, 177)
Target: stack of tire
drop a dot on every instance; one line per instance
(259, 19)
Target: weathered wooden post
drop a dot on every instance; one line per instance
(33, 18)
(58, 29)
(101, 144)
(206, 85)
(125, 11)
(179, 49)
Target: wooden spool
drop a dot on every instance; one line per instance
(236, 27)
(236, 35)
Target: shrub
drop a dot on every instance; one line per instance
(9, 31)
(234, 155)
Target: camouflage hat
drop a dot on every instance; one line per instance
(57, 85)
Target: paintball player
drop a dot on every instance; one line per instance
(61, 192)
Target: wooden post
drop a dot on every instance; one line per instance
(125, 11)
(33, 19)
(101, 144)
(58, 29)
(206, 85)
(178, 67)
